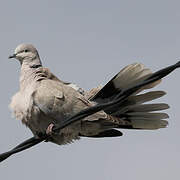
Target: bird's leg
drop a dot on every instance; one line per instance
(49, 130)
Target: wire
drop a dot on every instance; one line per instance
(89, 111)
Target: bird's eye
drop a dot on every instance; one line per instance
(26, 50)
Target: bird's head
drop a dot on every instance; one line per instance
(25, 52)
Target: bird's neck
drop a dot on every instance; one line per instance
(28, 72)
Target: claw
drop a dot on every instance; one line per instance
(49, 130)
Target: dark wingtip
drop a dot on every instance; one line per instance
(107, 133)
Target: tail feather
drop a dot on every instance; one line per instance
(153, 124)
(134, 101)
(147, 115)
(149, 96)
(133, 111)
(129, 75)
(148, 107)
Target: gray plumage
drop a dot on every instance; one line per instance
(43, 99)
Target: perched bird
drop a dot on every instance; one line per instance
(44, 101)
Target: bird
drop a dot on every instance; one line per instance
(44, 101)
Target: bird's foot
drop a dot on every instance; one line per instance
(49, 130)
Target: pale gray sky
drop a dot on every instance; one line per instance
(87, 42)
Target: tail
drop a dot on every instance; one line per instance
(133, 113)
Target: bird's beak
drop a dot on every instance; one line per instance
(12, 56)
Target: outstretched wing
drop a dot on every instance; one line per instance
(127, 77)
(133, 109)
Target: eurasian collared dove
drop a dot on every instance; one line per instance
(44, 101)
